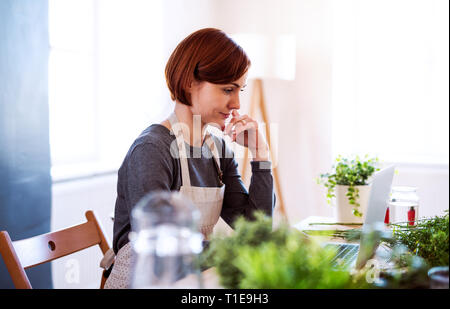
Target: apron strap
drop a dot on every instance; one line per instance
(182, 153)
(178, 131)
(213, 147)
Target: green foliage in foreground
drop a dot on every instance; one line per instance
(257, 257)
(427, 239)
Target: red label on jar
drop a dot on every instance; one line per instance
(411, 216)
(386, 218)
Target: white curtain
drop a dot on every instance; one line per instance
(390, 79)
(106, 81)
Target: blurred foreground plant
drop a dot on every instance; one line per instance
(254, 256)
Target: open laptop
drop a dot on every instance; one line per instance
(350, 255)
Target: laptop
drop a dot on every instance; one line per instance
(351, 255)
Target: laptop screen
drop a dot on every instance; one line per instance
(376, 210)
(379, 195)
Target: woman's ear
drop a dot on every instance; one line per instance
(194, 84)
(189, 87)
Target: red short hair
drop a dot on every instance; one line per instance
(205, 55)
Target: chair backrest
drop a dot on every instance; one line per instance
(23, 254)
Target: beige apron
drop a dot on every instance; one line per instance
(208, 200)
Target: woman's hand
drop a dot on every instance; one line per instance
(244, 131)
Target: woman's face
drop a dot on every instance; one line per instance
(214, 102)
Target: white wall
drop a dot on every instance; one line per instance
(432, 186)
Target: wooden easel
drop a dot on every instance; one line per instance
(257, 101)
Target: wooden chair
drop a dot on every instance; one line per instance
(23, 254)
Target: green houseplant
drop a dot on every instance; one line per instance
(349, 178)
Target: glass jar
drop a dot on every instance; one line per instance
(166, 242)
(403, 206)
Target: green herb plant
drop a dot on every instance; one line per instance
(414, 249)
(255, 256)
(349, 172)
(428, 238)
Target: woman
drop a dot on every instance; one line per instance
(205, 75)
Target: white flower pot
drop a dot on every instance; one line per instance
(344, 210)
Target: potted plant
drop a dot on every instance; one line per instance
(349, 184)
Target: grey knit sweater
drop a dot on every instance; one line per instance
(152, 164)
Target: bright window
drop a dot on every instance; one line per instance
(390, 79)
(106, 81)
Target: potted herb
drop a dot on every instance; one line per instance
(349, 184)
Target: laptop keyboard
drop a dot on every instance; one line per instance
(345, 253)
